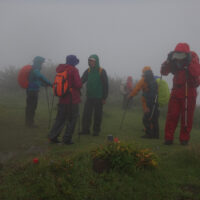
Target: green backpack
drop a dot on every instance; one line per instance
(163, 92)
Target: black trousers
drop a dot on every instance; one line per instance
(151, 122)
(67, 115)
(92, 106)
(31, 105)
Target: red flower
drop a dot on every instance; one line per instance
(35, 160)
(116, 140)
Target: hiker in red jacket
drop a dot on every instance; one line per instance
(68, 107)
(184, 65)
(125, 89)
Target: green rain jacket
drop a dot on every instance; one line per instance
(97, 81)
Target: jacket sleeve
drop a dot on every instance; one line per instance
(77, 80)
(42, 78)
(194, 67)
(104, 79)
(84, 77)
(138, 87)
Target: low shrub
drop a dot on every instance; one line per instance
(123, 157)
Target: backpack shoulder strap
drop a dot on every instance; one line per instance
(100, 70)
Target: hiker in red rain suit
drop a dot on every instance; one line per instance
(125, 89)
(184, 65)
(129, 83)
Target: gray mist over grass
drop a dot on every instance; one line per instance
(126, 35)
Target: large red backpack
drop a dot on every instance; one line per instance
(23, 76)
(61, 84)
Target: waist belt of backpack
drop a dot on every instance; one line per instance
(178, 86)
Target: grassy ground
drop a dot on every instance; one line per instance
(177, 175)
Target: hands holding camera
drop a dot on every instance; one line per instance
(180, 60)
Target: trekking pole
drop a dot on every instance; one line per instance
(79, 123)
(47, 96)
(79, 127)
(50, 114)
(154, 106)
(155, 101)
(124, 114)
(186, 98)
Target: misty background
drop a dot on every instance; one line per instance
(127, 35)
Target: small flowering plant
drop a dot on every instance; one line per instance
(123, 157)
(60, 166)
(146, 158)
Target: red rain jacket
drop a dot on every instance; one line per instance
(74, 83)
(129, 84)
(179, 80)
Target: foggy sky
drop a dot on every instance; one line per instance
(126, 34)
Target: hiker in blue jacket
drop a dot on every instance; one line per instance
(36, 80)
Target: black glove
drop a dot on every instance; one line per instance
(188, 59)
(169, 57)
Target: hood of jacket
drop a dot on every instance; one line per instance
(37, 62)
(72, 60)
(182, 47)
(96, 58)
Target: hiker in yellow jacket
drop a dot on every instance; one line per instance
(149, 88)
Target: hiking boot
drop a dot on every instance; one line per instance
(146, 136)
(155, 137)
(54, 141)
(84, 133)
(184, 142)
(168, 142)
(68, 142)
(32, 126)
(95, 133)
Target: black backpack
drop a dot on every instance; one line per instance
(152, 92)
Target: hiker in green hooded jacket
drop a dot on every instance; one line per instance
(96, 93)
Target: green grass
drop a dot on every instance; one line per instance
(176, 178)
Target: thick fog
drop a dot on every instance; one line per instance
(126, 35)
